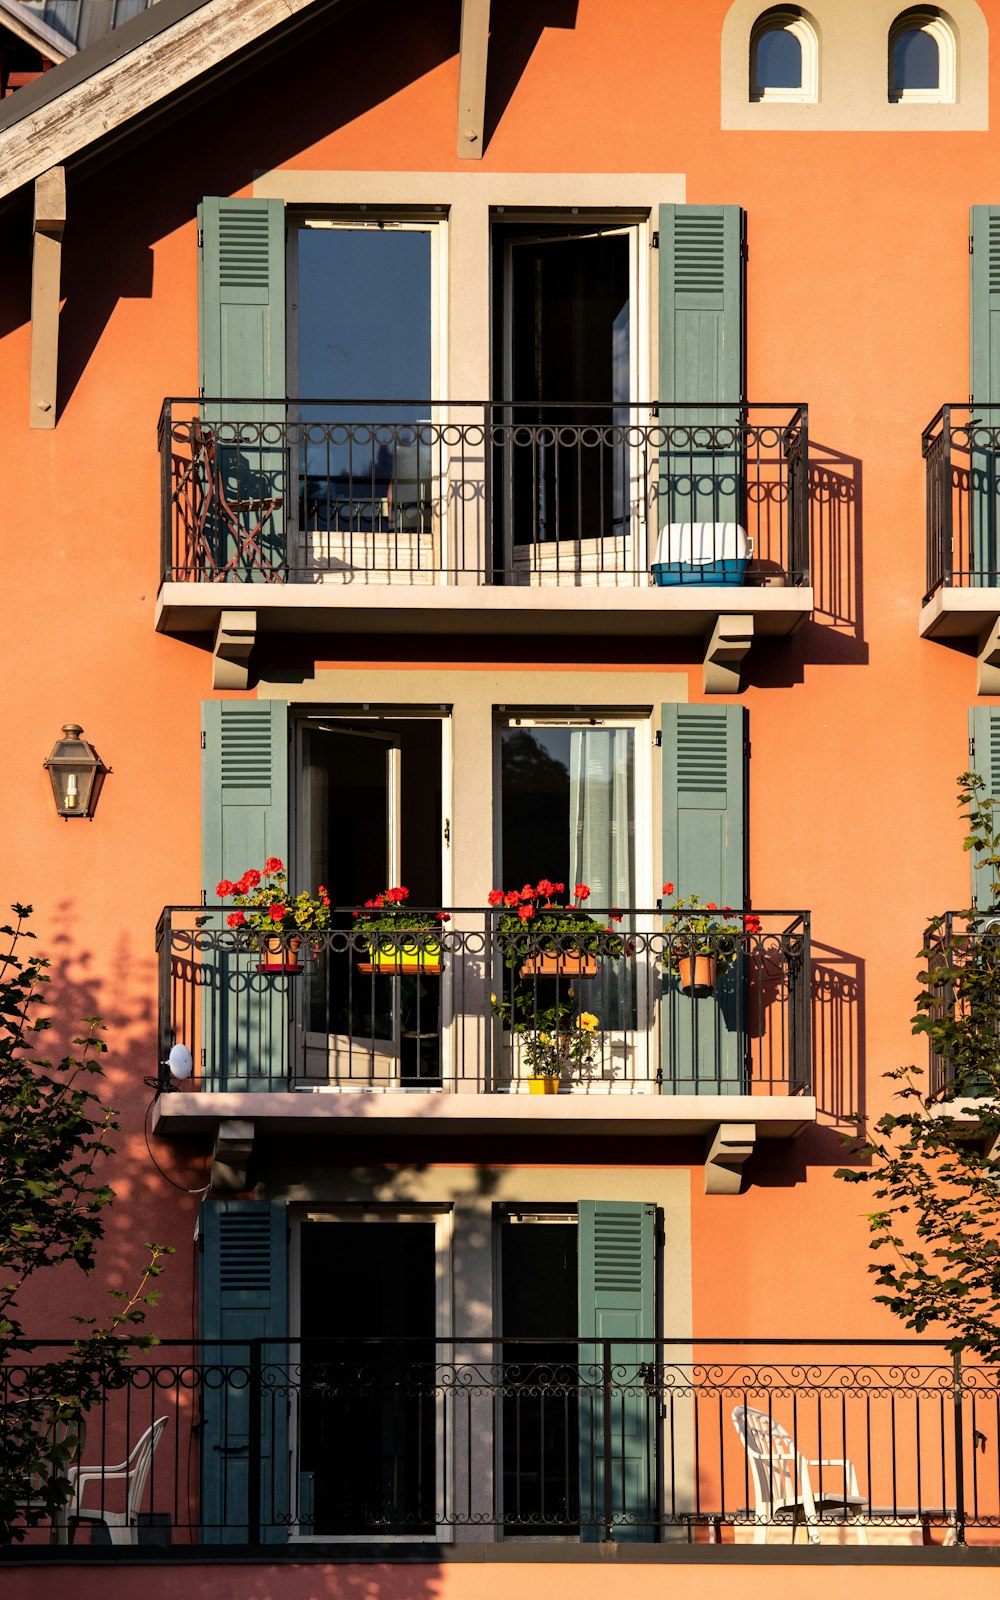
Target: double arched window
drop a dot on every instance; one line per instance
(784, 57)
(921, 57)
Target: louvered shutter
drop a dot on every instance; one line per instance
(245, 1016)
(984, 734)
(702, 297)
(984, 332)
(704, 853)
(617, 1302)
(241, 297)
(243, 1297)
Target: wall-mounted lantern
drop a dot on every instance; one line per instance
(73, 768)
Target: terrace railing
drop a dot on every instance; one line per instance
(280, 1441)
(961, 447)
(954, 944)
(461, 1006)
(340, 492)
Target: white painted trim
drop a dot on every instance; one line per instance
(943, 34)
(49, 43)
(802, 29)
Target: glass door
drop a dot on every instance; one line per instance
(568, 374)
(368, 812)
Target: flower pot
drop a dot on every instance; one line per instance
(540, 1084)
(396, 962)
(696, 974)
(280, 955)
(571, 964)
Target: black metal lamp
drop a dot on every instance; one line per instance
(73, 767)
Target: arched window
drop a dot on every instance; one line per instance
(921, 57)
(784, 58)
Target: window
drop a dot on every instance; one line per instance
(784, 58)
(921, 58)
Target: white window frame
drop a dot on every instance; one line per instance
(443, 1218)
(941, 32)
(793, 22)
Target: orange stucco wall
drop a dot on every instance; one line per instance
(857, 303)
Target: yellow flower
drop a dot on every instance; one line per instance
(543, 1038)
(587, 1021)
(493, 998)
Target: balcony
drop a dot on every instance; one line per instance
(443, 1034)
(961, 447)
(958, 948)
(315, 516)
(280, 1442)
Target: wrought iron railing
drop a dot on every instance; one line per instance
(954, 944)
(279, 1441)
(324, 491)
(608, 1008)
(961, 446)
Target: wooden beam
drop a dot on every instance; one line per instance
(474, 49)
(35, 33)
(133, 82)
(46, 268)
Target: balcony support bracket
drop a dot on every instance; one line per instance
(233, 1148)
(725, 648)
(725, 1153)
(234, 640)
(46, 269)
(988, 662)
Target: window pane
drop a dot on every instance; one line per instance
(915, 62)
(779, 60)
(364, 314)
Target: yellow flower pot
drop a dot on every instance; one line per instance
(543, 1085)
(396, 961)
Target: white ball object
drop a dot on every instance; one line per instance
(180, 1062)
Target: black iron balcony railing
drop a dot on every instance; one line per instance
(465, 1005)
(961, 447)
(959, 948)
(323, 491)
(278, 1441)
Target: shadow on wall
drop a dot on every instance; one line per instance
(515, 29)
(838, 1033)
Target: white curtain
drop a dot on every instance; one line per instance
(602, 815)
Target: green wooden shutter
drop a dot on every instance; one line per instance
(243, 1296)
(984, 735)
(704, 853)
(241, 299)
(245, 1015)
(702, 299)
(984, 372)
(617, 1301)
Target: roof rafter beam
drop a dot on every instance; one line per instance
(473, 53)
(46, 271)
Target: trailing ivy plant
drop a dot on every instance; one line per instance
(934, 1164)
(54, 1136)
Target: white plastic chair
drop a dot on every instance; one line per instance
(134, 1470)
(783, 1487)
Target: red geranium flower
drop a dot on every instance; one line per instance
(710, 905)
(511, 898)
(526, 912)
(272, 864)
(236, 919)
(751, 923)
(444, 916)
(249, 880)
(545, 887)
(495, 897)
(615, 914)
(277, 913)
(325, 899)
(581, 892)
(668, 888)
(528, 893)
(223, 888)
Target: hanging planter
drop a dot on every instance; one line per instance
(561, 964)
(696, 975)
(280, 955)
(393, 962)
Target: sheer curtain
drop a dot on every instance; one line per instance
(602, 815)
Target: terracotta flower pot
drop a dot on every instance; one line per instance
(696, 974)
(280, 954)
(540, 1084)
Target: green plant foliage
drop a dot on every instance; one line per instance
(932, 1164)
(54, 1135)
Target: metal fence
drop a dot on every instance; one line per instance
(606, 1007)
(961, 447)
(323, 491)
(955, 945)
(279, 1441)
